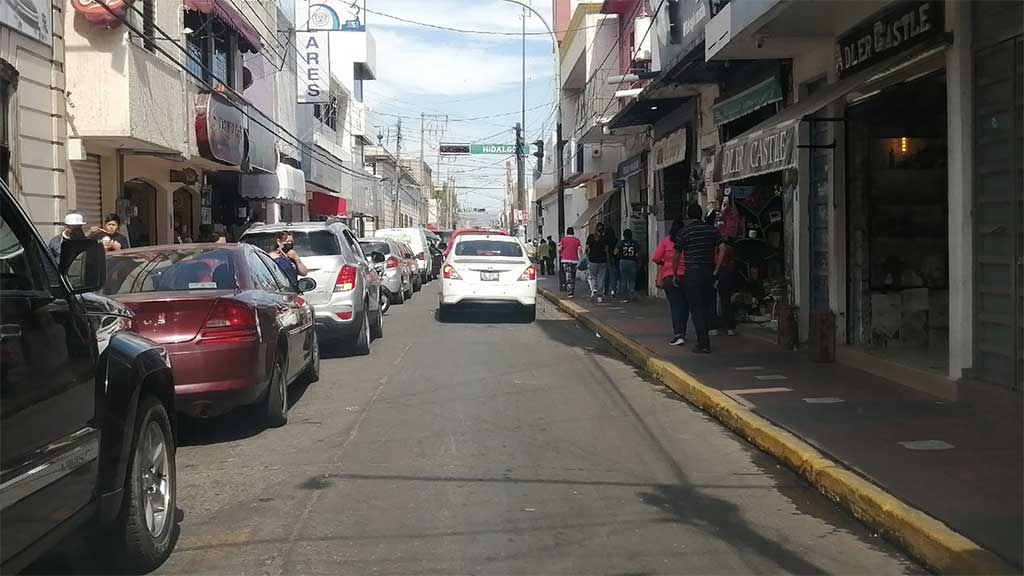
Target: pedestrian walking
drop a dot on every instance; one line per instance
(531, 250)
(611, 280)
(543, 256)
(726, 281)
(671, 275)
(626, 252)
(597, 255)
(569, 258)
(74, 228)
(553, 253)
(697, 240)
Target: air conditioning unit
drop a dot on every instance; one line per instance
(642, 39)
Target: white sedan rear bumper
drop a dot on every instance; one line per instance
(454, 292)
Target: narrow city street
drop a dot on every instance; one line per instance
(489, 446)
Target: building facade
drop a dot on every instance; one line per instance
(33, 134)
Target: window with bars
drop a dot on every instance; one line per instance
(211, 48)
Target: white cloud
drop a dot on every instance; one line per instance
(416, 64)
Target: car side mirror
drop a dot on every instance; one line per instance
(377, 257)
(306, 284)
(83, 262)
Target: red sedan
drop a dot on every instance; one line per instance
(461, 231)
(237, 331)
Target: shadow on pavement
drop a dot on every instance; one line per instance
(484, 315)
(239, 424)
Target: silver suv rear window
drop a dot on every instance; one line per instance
(501, 248)
(311, 243)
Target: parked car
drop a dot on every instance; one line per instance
(488, 269)
(437, 259)
(416, 238)
(412, 265)
(88, 437)
(396, 278)
(436, 255)
(347, 297)
(236, 330)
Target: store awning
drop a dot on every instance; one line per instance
(593, 209)
(327, 205)
(286, 186)
(230, 15)
(768, 141)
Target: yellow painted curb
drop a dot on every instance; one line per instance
(927, 539)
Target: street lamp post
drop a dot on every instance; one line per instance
(560, 186)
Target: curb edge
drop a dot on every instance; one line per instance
(924, 537)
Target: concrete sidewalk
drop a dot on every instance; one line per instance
(959, 462)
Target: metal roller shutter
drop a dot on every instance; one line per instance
(88, 192)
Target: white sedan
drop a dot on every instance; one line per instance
(488, 269)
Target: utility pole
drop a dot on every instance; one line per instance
(398, 175)
(520, 172)
(506, 204)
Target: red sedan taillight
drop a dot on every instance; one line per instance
(449, 273)
(346, 279)
(229, 320)
(392, 262)
(529, 274)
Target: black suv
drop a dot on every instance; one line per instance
(87, 438)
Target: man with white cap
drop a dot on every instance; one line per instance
(74, 225)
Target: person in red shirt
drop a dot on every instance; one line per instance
(671, 280)
(569, 254)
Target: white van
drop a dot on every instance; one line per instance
(416, 238)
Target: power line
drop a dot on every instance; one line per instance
(330, 160)
(471, 119)
(478, 32)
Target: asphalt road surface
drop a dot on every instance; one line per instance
(487, 446)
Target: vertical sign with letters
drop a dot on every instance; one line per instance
(314, 74)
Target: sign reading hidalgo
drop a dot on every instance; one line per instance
(896, 29)
(771, 150)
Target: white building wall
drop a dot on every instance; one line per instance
(38, 131)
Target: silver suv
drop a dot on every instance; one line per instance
(347, 294)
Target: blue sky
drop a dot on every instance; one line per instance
(420, 69)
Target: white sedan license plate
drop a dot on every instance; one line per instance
(489, 276)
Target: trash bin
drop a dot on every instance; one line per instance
(789, 328)
(823, 336)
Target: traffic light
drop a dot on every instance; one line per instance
(539, 153)
(454, 148)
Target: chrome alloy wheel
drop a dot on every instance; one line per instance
(156, 483)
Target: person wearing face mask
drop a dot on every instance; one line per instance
(286, 257)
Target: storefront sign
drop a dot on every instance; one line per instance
(314, 76)
(894, 30)
(187, 176)
(670, 150)
(630, 167)
(219, 130)
(768, 151)
(261, 149)
(32, 18)
(106, 13)
(337, 15)
(761, 94)
(694, 16)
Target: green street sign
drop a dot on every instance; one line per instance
(503, 149)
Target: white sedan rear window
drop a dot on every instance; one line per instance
(488, 248)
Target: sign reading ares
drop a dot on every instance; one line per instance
(314, 78)
(899, 28)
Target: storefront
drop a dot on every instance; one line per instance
(279, 197)
(755, 173)
(631, 177)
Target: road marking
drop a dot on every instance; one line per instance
(926, 445)
(758, 390)
(768, 377)
(747, 368)
(824, 400)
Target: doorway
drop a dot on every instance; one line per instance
(184, 215)
(898, 240)
(138, 212)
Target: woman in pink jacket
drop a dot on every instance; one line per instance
(672, 282)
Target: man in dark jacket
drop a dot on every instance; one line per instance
(697, 241)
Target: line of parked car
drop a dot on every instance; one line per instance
(101, 352)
